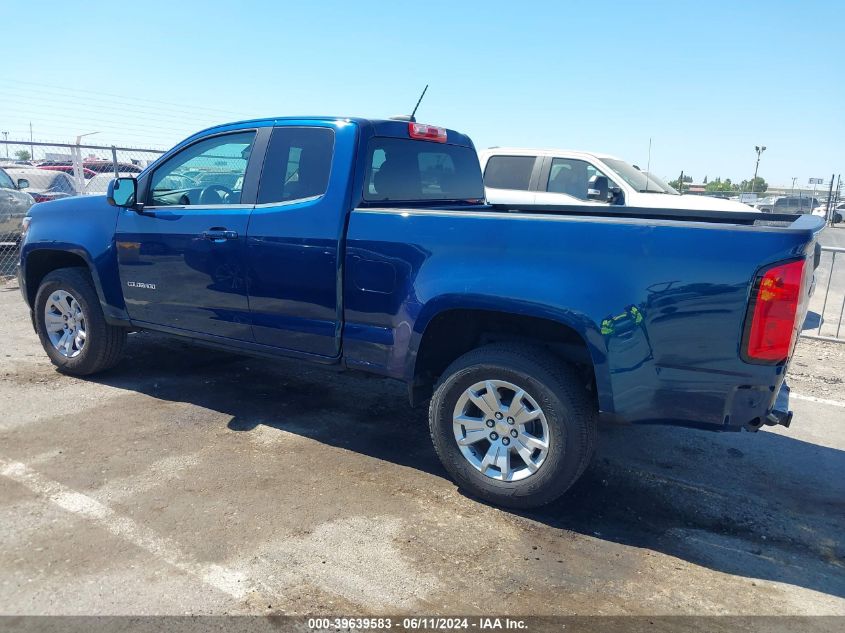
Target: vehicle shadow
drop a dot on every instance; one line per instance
(759, 505)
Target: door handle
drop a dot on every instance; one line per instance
(220, 234)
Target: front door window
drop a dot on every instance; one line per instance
(209, 172)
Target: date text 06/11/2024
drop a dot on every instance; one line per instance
(417, 623)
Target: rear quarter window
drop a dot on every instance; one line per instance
(411, 170)
(298, 164)
(509, 172)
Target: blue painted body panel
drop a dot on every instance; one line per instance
(84, 227)
(689, 282)
(660, 304)
(200, 284)
(293, 259)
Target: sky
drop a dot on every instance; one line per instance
(705, 81)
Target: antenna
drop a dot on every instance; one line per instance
(648, 165)
(418, 103)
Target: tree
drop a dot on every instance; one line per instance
(677, 184)
(22, 154)
(757, 185)
(719, 185)
(705, 180)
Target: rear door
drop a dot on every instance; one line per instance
(182, 259)
(295, 237)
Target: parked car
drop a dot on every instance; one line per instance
(14, 204)
(225, 178)
(68, 169)
(523, 325)
(538, 176)
(99, 184)
(54, 163)
(107, 166)
(45, 185)
(838, 212)
(765, 203)
(789, 204)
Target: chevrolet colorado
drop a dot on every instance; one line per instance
(367, 244)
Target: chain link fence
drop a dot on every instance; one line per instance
(826, 315)
(33, 172)
(38, 172)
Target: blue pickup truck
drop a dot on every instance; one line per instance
(367, 245)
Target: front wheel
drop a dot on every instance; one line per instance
(513, 425)
(71, 325)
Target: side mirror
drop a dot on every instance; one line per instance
(597, 188)
(23, 183)
(122, 192)
(616, 196)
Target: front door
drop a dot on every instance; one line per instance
(567, 182)
(181, 259)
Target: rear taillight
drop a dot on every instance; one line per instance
(39, 198)
(425, 132)
(775, 301)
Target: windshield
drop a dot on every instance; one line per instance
(41, 180)
(652, 179)
(5, 181)
(638, 179)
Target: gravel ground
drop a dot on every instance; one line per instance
(189, 481)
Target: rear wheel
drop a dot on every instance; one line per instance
(513, 424)
(71, 325)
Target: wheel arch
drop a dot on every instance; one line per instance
(448, 330)
(37, 263)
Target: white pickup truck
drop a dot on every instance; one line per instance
(553, 176)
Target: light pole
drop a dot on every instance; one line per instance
(78, 172)
(79, 138)
(6, 138)
(759, 149)
(792, 191)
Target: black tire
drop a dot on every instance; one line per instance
(104, 343)
(558, 390)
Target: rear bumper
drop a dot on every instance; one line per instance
(711, 400)
(778, 414)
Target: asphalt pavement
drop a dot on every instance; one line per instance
(189, 481)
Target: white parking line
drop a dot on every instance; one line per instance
(833, 403)
(221, 578)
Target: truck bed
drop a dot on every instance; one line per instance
(658, 298)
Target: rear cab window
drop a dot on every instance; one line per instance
(509, 172)
(411, 170)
